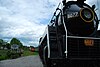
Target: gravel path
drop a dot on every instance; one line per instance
(29, 61)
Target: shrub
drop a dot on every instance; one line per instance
(13, 55)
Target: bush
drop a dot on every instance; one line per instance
(13, 55)
(8, 54)
(3, 54)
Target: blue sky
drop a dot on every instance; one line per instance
(26, 19)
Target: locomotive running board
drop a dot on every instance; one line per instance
(84, 58)
(82, 37)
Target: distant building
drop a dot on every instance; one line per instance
(14, 46)
(32, 48)
(1, 47)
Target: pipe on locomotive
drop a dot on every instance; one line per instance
(79, 1)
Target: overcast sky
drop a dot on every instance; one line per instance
(25, 19)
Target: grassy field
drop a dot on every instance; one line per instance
(3, 54)
(28, 53)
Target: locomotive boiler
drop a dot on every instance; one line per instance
(70, 39)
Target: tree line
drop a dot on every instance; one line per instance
(6, 45)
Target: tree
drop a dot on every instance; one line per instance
(1, 41)
(3, 44)
(8, 46)
(16, 41)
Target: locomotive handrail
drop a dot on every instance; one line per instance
(83, 37)
(48, 42)
(65, 29)
(55, 13)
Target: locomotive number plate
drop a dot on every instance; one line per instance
(89, 42)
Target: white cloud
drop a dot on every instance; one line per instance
(25, 19)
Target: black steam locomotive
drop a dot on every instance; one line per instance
(71, 40)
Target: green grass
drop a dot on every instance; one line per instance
(28, 53)
(3, 55)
